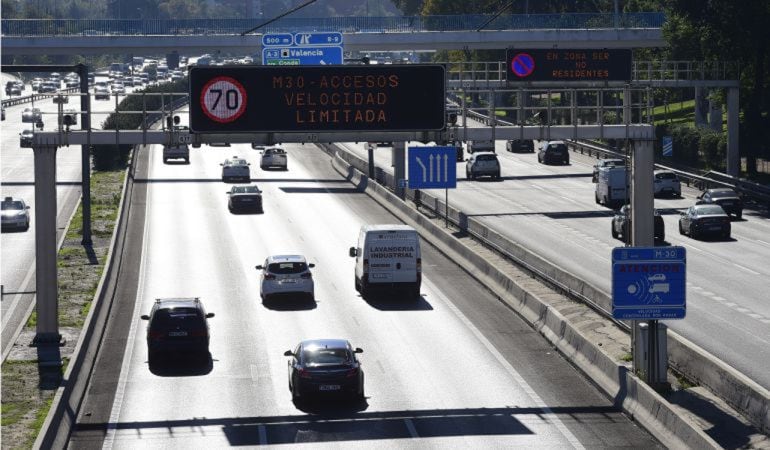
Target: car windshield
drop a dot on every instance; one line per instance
(613, 162)
(722, 194)
(486, 158)
(665, 176)
(709, 209)
(245, 190)
(274, 151)
(287, 267)
(184, 317)
(236, 162)
(316, 356)
(12, 205)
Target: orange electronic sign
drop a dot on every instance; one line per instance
(237, 99)
(568, 65)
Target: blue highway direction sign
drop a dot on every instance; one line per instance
(648, 283)
(301, 56)
(432, 167)
(314, 39)
(277, 40)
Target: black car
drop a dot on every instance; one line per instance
(245, 198)
(621, 225)
(702, 220)
(727, 198)
(520, 146)
(25, 138)
(553, 152)
(325, 366)
(177, 326)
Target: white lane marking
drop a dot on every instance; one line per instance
(755, 316)
(745, 269)
(537, 187)
(719, 299)
(411, 428)
(549, 414)
(120, 390)
(764, 242)
(254, 372)
(262, 435)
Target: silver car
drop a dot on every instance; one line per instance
(482, 164)
(15, 214)
(274, 157)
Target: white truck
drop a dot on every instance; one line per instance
(611, 185)
(388, 257)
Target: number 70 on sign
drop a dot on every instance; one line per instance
(223, 99)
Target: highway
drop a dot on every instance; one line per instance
(538, 205)
(454, 369)
(18, 247)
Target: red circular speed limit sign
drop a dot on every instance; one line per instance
(223, 99)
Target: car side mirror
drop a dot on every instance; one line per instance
(311, 265)
(227, 192)
(209, 315)
(26, 207)
(259, 267)
(358, 350)
(353, 252)
(145, 317)
(288, 353)
(221, 164)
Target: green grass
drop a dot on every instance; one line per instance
(628, 357)
(683, 113)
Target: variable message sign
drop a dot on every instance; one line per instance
(317, 98)
(648, 283)
(566, 65)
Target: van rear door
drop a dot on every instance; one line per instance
(392, 256)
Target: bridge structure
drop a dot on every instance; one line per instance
(196, 36)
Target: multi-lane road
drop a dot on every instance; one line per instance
(538, 206)
(17, 271)
(456, 368)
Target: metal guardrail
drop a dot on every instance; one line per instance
(464, 22)
(711, 179)
(34, 97)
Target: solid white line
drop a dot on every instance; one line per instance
(411, 428)
(262, 435)
(764, 242)
(549, 415)
(120, 390)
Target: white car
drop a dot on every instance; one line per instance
(236, 169)
(274, 157)
(666, 183)
(15, 214)
(285, 274)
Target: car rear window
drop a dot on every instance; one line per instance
(246, 190)
(710, 209)
(177, 317)
(487, 158)
(327, 356)
(665, 176)
(719, 194)
(287, 267)
(557, 148)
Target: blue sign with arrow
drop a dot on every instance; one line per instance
(313, 39)
(432, 167)
(648, 283)
(301, 56)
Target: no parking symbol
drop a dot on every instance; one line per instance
(522, 65)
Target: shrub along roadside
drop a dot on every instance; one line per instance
(107, 157)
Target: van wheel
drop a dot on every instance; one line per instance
(358, 284)
(596, 198)
(738, 215)
(414, 292)
(614, 233)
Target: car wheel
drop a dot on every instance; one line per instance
(361, 395)
(662, 236)
(566, 162)
(294, 391)
(738, 215)
(726, 236)
(165, 160)
(152, 358)
(614, 233)
(681, 228)
(497, 176)
(596, 198)
(187, 160)
(358, 284)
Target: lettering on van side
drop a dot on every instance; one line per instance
(393, 251)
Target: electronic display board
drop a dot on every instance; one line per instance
(558, 64)
(237, 99)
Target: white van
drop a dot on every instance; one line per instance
(388, 256)
(611, 186)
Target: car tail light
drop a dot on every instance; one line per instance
(155, 334)
(303, 373)
(306, 275)
(269, 276)
(366, 265)
(351, 372)
(419, 264)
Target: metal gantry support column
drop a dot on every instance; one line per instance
(399, 168)
(85, 155)
(642, 235)
(46, 287)
(733, 157)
